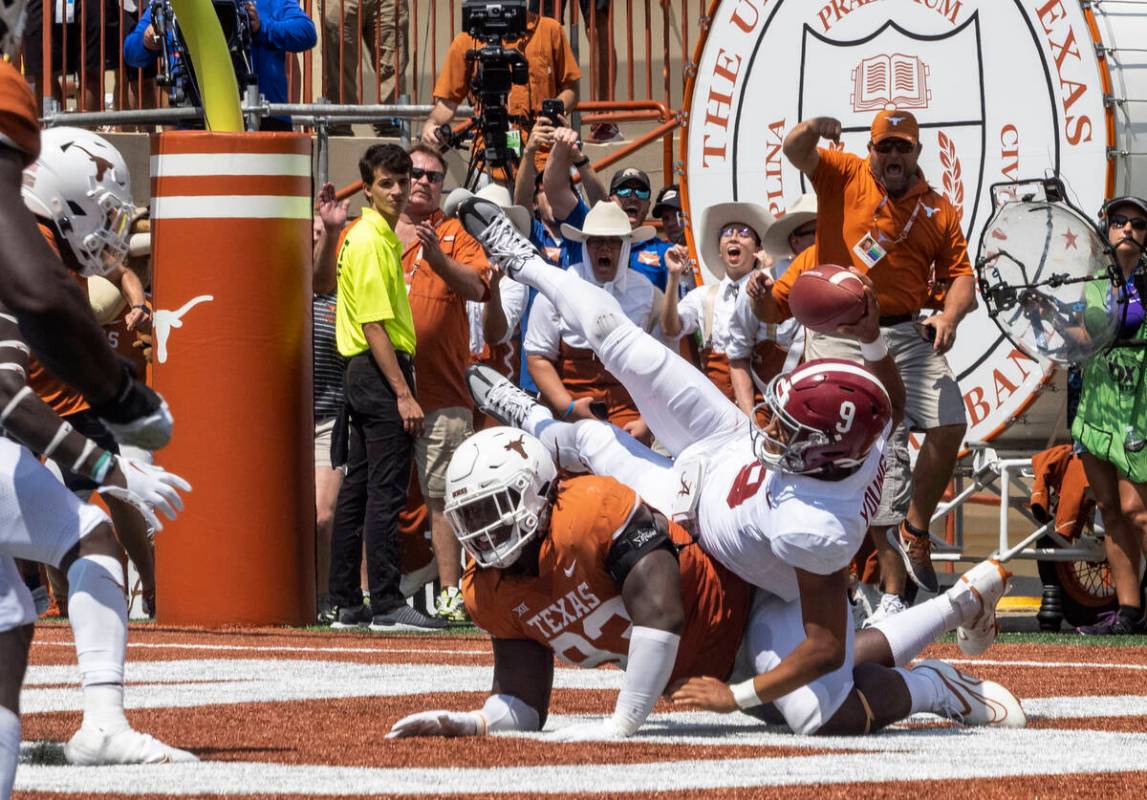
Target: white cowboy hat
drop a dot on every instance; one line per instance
(607, 219)
(499, 195)
(777, 239)
(106, 300)
(716, 217)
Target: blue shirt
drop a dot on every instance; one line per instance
(283, 28)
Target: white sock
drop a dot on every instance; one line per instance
(9, 750)
(909, 632)
(922, 689)
(97, 611)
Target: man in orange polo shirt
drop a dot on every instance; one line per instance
(880, 216)
(444, 267)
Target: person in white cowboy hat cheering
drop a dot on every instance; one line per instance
(572, 382)
(731, 236)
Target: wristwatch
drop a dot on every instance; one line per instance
(581, 162)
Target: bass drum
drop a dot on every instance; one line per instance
(1003, 90)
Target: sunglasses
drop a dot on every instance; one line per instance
(1119, 220)
(901, 146)
(630, 191)
(799, 232)
(434, 176)
(737, 229)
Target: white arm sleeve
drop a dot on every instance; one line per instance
(743, 327)
(652, 653)
(543, 335)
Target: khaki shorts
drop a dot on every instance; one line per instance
(933, 396)
(323, 431)
(896, 491)
(446, 428)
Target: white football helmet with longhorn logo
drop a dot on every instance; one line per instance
(498, 483)
(80, 184)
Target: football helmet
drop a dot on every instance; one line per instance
(12, 15)
(81, 184)
(497, 484)
(825, 413)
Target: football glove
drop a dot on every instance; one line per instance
(438, 723)
(149, 488)
(136, 415)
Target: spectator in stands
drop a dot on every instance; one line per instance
(380, 28)
(374, 330)
(667, 208)
(1111, 423)
(731, 235)
(329, 368)
(792, 233)
(571, 380)
(278, 27)
(444, 267)
(75, 42)
(553, 73)
(629, 188)
(880, 215)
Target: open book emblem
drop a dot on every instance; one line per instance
(890, 81)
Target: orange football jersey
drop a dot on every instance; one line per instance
(574, 608)
(19, 119)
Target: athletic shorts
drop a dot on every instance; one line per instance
(323, 434)
(933, 396)
(446, 429)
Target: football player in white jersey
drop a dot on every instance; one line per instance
(781, 500)
(40, 519)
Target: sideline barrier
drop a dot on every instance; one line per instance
(231, 228)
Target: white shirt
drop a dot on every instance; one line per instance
(744, 331)
(691, 310)
(636, 294)
(763, 524)
(514, 296)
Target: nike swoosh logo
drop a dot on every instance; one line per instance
(569, 571)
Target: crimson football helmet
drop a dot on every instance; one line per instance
(824, 414)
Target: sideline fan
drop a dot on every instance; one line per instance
(580, 568)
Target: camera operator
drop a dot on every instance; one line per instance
(553, 75)
(277, 27)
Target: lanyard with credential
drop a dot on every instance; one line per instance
(907, 226)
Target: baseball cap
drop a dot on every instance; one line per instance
(895, 124)
(1127, 200)
(628, 175)
(668, 198)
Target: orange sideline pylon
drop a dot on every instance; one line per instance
(231, 254)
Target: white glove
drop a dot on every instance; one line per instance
(150, 432)
(148, 488)
(437, 723)
(595, 730)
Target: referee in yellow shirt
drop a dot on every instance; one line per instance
(375, 332)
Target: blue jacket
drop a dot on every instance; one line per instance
(283, 28)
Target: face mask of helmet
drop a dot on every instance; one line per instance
(493, 526)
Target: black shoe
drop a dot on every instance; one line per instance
(1113, 623)
(327, 611)
(352, 617)
(406, 618)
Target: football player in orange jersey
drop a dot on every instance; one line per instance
(582, 569)
(51, 308)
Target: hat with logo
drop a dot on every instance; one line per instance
(668, 199)
(895, 124)
(628, 175)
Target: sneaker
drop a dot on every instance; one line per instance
(979, 589)
(147, 597)
(486, 222)
(91, 746)
(890, 605)
(1112, 623)
(601, 132)
(970, 700)
(917, 554)
(498, 397)
(406, 618)
(388, 129)
(451, 607)
(352, 617)
(327, 611)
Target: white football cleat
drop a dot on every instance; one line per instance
(485, 220)
(498, 397)
(980, 589)
(970, 700)
(91, 747)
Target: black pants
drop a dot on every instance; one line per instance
(373, 493)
